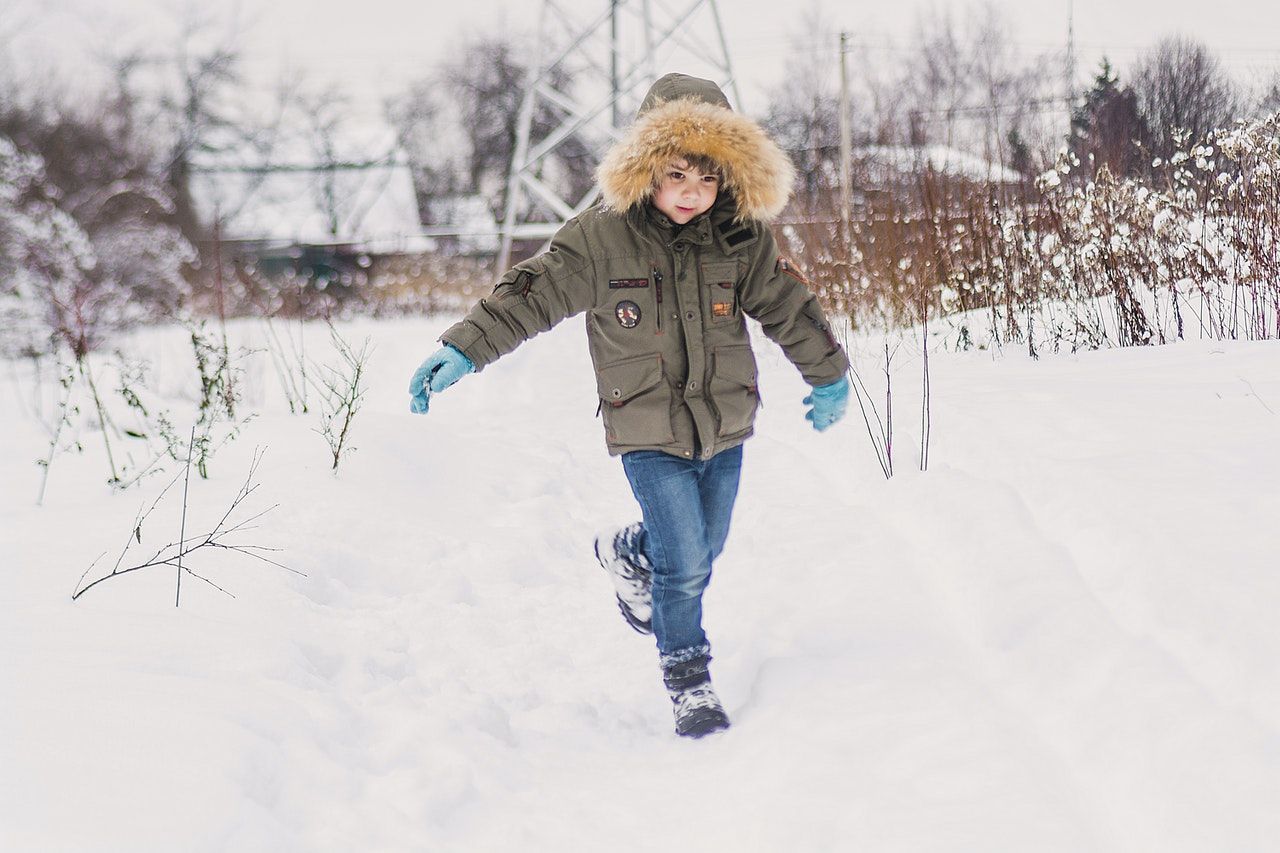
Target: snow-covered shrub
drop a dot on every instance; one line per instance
(1248, 219)
(46, 261)
(1075, 260)
(76, 270)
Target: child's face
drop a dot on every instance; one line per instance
(683, 192)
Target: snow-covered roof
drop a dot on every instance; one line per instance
(939, 158)
(371, 205)
(470, 217)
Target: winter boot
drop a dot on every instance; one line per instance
(619, 553)
(697, 709)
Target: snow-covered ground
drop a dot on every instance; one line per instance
(1062, 637)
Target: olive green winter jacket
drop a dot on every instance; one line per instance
(666, 305)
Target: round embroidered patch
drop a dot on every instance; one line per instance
(628, 314)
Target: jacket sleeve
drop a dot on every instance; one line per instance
(531, 297)
(778, 297)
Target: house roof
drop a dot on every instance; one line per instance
(370, 205)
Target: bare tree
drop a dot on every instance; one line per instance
(804, 110)
(484, 83)
(324, 112)
(1009, 89)
(940, 76)
(198, 105)
(1181, 86)
(425, 132)
(959, 81)
(472, 103)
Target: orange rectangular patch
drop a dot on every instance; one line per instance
(721, 309)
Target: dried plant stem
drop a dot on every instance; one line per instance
(182, 530)
(926, 405)
(176, 554)
(63, 419)
(87, 371)
(875, 433)
(342, 391)
(888, 409)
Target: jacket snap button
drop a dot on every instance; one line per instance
(679, 247)
(688, 315)
(617, 392)
(693, 386)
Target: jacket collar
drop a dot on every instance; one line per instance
(696, 231)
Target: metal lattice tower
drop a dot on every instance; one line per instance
(612, 61)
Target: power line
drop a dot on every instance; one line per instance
(287, 168)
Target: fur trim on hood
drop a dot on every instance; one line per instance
(692, 120)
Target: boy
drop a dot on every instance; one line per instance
(666, 268)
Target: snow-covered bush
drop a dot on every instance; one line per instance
(1072, 260)
(46, 261)
(75, 270)
(1249, 201)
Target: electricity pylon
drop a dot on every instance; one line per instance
(612, 60)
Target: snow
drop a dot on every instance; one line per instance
(1060, 637)
(940, 158)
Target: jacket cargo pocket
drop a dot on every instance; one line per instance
(636, 401)
(733, 388)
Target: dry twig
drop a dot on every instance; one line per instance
(175, 554)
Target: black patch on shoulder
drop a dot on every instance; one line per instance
(741, 237)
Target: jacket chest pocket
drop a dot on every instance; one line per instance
(636, 299)
(720, 292)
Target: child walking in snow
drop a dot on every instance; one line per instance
(666, 267)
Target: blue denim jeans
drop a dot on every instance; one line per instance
(686, 505)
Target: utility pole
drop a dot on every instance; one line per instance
(1071, 54)
(608, 89)
(613, 59)
(846, 138)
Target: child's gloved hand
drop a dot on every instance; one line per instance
(445, 367)
(828, 403)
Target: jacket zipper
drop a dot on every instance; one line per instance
(657, 290)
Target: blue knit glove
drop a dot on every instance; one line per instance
(828, 403)
(445, 367)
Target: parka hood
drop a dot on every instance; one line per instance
(683, 115)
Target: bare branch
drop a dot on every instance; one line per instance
(175, 554)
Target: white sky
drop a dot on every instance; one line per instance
(371, 48)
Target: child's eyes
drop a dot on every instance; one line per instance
(680, 176)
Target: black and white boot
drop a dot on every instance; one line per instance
(619, 553)
(697, 709)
